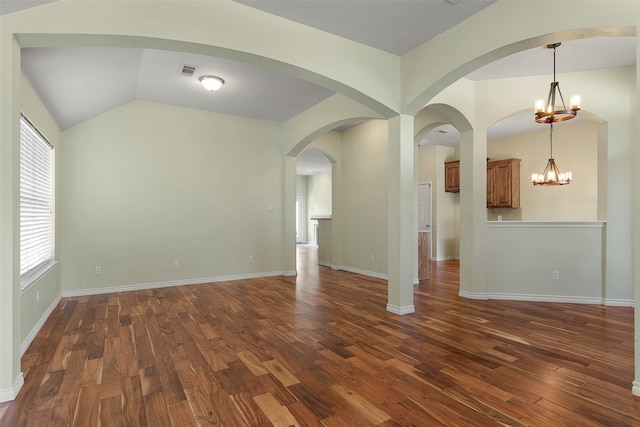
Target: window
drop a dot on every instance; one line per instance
(36, 191)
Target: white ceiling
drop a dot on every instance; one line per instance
(79, 83)
(395, 26)
(310, 162)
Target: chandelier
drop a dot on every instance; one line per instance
(551, 175)
(550, 113)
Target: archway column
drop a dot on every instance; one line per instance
(289, 216)
(336, 215)
(635, 229)
(402, 241)
(473, 214)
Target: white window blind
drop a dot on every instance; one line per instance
(36, 155)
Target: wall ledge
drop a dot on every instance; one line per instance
(546, 224)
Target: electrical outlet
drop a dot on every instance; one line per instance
(372, 258)
(270, 207)
(175, 263)
(555, 275)
(98, 270)
(250, 258)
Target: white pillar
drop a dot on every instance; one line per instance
(402, 241)
(635, 227)
(336, 215)
(289, 216)
(473, 214)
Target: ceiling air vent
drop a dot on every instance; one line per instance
(187, 70)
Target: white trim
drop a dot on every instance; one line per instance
(290, 273)
(569, 299)
(408, 309)
(143, 286)
(29, 339)
(33, 276)
(635, 390)
(472, 295)
(611, 302)
(546, 298)
(326, 264)
(8, 394)
(320, 217)
(546, 224)
(416, 280)
(444, 258)
(359, 271)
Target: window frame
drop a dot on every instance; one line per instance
(43, 177)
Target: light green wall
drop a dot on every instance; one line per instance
(330, 144)
(575, 149)
(146, 184)
(316, 191)
(607, 99)
(444, 238)
(524, 271)
(364, 197)
(381, 81)
(319, 193)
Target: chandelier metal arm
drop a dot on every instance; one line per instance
(548, 113)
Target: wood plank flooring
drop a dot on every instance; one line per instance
(320, 349)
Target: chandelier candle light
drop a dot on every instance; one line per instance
(549, 113)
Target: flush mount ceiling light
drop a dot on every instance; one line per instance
(551, 175)
(548, 112)
(211, 83)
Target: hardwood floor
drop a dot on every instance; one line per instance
(320, 349)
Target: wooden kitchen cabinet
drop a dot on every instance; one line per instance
(503, 183)
(452, 176)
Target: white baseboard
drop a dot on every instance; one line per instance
(545, 298)
(363, 272)
(27, 341)
(472, 295)
(568, 299)
(444, 258)
(635, 389)
(8, 394)
(143, 286)
(290, 273)
(326, 264)
(611, 302)
(401, 310)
